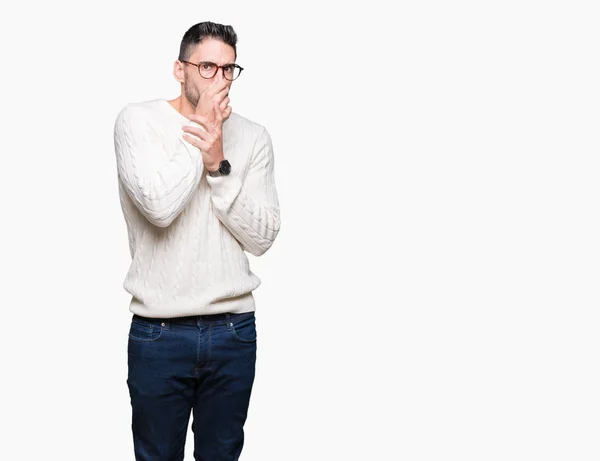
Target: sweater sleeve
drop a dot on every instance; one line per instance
(160, 182)
(249, 207)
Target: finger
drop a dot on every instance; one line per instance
(200, 120)
(195, 142)
(218, 87)
(210, 91)
(219, 114)
(198, 131)
(226, 113)
(222, 92)
(224, 103)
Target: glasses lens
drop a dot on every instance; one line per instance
(207, 69)
(231, 72)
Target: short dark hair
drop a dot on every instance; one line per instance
(207, 29)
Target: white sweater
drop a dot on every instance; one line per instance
(188, 230)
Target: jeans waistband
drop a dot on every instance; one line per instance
(223, 318)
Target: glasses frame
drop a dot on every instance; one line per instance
(218, 67)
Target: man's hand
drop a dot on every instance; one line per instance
(210, 140)
(218, 93)
(225, 109)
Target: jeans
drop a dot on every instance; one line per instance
(203, 364)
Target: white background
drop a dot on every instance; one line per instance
(433, 292)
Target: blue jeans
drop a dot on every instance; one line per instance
(203, 364)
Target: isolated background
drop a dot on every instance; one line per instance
(433, 293)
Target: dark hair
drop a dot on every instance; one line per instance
(207, 29)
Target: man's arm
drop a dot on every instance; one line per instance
(160, 185)
(250, 210)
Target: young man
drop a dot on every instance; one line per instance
(197, 189)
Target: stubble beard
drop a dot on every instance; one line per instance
(191, 93)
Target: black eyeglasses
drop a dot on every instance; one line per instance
(208, 69)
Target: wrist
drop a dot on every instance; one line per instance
(213, 166)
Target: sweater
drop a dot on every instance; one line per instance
(188, 231)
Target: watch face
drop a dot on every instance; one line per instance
(225, 167)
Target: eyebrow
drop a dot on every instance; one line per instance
(226, 64)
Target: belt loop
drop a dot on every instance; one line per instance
(227, 321)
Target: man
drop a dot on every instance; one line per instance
(196, 184)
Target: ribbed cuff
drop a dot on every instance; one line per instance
(224, 190)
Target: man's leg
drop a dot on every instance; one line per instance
(161, 359)
(223, 394)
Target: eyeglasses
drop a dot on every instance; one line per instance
(208, 69)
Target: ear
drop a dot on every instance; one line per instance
(178, 71)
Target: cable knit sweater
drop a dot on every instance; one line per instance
(188, 230)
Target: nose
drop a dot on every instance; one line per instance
(220, 75)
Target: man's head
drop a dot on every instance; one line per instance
(205, 41)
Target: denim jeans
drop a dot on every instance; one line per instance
(200, 364)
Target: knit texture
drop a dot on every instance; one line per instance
(188, 230)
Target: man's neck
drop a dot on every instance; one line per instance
(182, 106)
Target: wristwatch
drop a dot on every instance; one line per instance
(223, 170)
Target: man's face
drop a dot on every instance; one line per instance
(209, 50)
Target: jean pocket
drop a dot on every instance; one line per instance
(243, 329)
(144, 330)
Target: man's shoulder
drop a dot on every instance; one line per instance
(140, 107)
(149, 113)
(239, 123)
